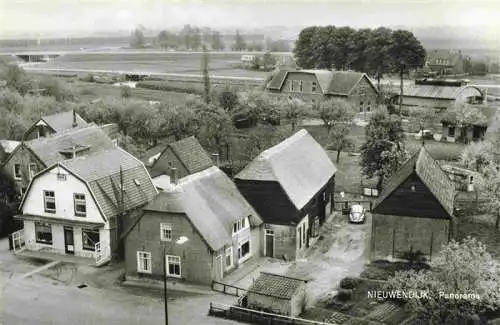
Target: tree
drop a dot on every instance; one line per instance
(379, 59)
(215, 129)
(477, 155)
(260, 138)
(489, 186)
(306, 48)
(460, 268)
(422, 117)
(217, 43)
(206, 76)
(383, 153)
(335, 111)
(406, 53)
(340, 139)
(195, 39)
(294, 111)
(227, 98)
(256, 61)
(239, 42)
(268, 61)
(137, 39)
(16, 78)
(167, 39)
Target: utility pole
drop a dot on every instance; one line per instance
(165, 286)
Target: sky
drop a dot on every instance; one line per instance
(68, 16)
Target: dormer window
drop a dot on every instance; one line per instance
(74, 151)
(240, 225)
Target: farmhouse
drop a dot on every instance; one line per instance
(314, 85)
(470, 132)
(414, 212)
(445, 62)
(186, 155)
(30, 157)
(55, 123)
(438, 94)
(201, 224)
(277, 294)
(291, 187)
(79, 206)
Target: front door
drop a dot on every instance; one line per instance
(69, 244)
(219, 268)
(269, 243)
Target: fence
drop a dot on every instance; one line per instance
(344, 205)
(257, 317)
(228, 289)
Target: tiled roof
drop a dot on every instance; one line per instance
(190, 153)
(428, 91)
(48, 148)
(111, 130)
(331, 82)
(104, 172)
(276, 285)
(63, 121)
(299, 164)
(211, 201)
(430, 173)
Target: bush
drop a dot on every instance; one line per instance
(125, 91)
(349, 283)
(193, 88)
(345, 294)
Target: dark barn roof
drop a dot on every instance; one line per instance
(299, 164)
(430, 173)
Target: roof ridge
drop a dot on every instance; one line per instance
(285, 144)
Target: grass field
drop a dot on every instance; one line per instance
(224, 64)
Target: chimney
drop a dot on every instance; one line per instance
(74, 120)
(73, 152)
(173, 175)
(216, 159)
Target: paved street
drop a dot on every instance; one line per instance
(40, 300)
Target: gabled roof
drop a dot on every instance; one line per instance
(299, 164)
(9, 145)
(104, 173)
(212, 203)
(48, 149)
(276, 285)
(63, 121)
(331, 82)
(191, 155)
(440, 92)
(430, 173)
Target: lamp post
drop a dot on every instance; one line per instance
(179, 241)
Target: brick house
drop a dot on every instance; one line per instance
(315, 85)
(187, 156)
(446, 62)
(80, 206)
(202, 223)
(31, 157)
(55, 123)
(291, 187)
(415, 211)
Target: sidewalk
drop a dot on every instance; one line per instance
(171, 285)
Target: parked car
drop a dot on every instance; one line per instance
(357, 214)
(426, 134)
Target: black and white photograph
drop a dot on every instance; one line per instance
(206, 162)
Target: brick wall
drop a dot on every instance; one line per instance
(23, 157)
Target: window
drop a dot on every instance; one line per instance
(80, 204)
(165, 232)
(61, 177)
(43, 233)
(239, 225)
(33, 170)
(368, 106)
(451, 131)
(174, 265)
(229, 257)
(300, 86)
(244, 250)
(144, 262)
(49, 198)
(17, 171)
(361, 107)
(314, 87)
(89, 239)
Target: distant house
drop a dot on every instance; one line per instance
(277, 294)
(80, 206)
(186, 155)
(471, 132)
(202, 223)
(55, 123)
(446, 62)
(438, 94)
(291, 187)
(31, 157)
(415, 211)
(314, 85)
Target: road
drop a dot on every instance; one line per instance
(40, 300)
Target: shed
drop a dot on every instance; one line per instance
(278, 294)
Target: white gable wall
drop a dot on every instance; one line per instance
(63, 190)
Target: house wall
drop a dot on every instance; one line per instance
(58, 244)
(307, 94)
(396, 235)
(276, 305)
(168, 160)
(24, 157)
(63, 190)
(298, 301)
(284, 241)
(302, 243)
(363, 96)
(405, 202)
(32, 133)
